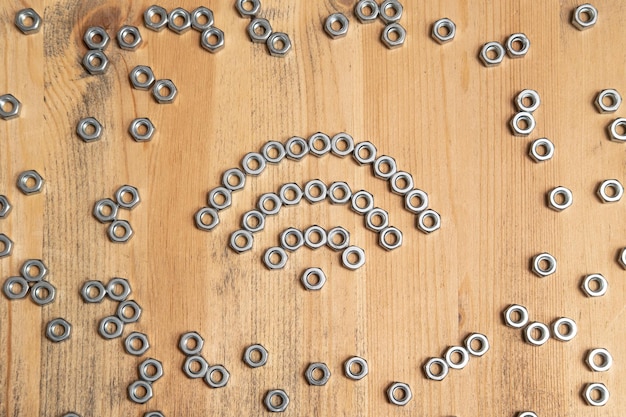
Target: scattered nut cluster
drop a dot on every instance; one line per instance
(31, 279)
(535, 333)
(260, 29)
(106, 211)
(492, 53)
(196, 367)
(456, 357)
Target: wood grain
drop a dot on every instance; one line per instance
(435, 109)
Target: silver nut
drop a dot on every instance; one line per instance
(336, 25)
(28, 21)
(118, 289)
(220, 198)
(602, 394)
(377, 219)
(223, 376)
(319, 144)
(355, 368)
(30, 182)
(541, 150)
(5, 206)
(402, 399)
(10, 107)
(259, 30)
(391, 11)
(195, 367)
(610, 191)
(338, 238)
(401, 183)
(362, 202)
(202, 18)
(622, 258)
(526, 414)
(105, 210)
(269, 204)
(212, 39)
(454, 363)
(477, 338)
(393, 35)
(291, 239)
(137, 396)
(428, 221)
(111, 327)
(127, 197)
(516, 316)
(34, 270)
(115, 227)
(444, 30)
(132, 348)
(197, 343)
(123, 311)
(241, 241)
(522, 123)
(201, 219)
(275, 258)
(53, 327)
(290, 194)
(278, 44)
(312, 369)
(517, 45)
(179, 20)
(248, 8)
(96, 38)
(390, 238)
(614, 101)
(530, 333)
(150, 370)
(595, 285)
(313, 279)
(492, 54)
(605, 363)
(43, 293)
(416, 201)
(353, 258)
(617, 130)
(142, 77)
(544, 264)
(339, 192)
(585, 16)
(560, 198)
(129, 37)
(155, 18)
(527, 100)
(96, 62)
(433, 374)
(164, 91)
(274, 406)
(6, 245)
(366, 11)
(141, 129)
(571, 329)
(364, 153)
(315, 191)
(256, 349)
(93, 291)
(89, 129)
(238, 175)
(315, 237)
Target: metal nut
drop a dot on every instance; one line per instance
(248, 8)
(617, 191)
(364, 153)
(541, 150)
(336, 25)
(377, 219)
(393, 6)
(528, 101)
(122, 200)
(273, 152)
(10, 107)
(96, 62)
(483, 343)
(253, 164)
(118, 289)
(282, 403)
(51, 330)
(600, 288)
(130, 344)
(275, 258)
(142, 77)
(522, 123)
(164, 91)
(202, 18)
(122, 311)
(89, 129)
(362, 202)
(30, 182)
(141, 129)
(290, 194)
(34, 270)
(28, 21)
(253, 221)
(5, 206)
(296, 148)
(317, 139)
(443, 369)
(155, 18)
(366, 11)
(538, 263)
(544, 333)
(195, 367)
(238, 175)
(601, 399)
(6, 245)
(339, 192)
(569, 324)
(121, 238)
(315, 191)
(241, 241)
(426, 216)
(344, 238)
(315, 237)
(291, 239)
(179, 20)
(197, 343)
(312, 369)
(604, 355)
(105, 325)
(393, 35)
(384, 167)
(210, 379)
(150, 370)
(614, 133)
(401, 183)
(259, 30)
(278, 44)
(87, 291)
(517, 45)
(258, 349)
(404, 398)
(390, 238)
(492, 54)
(566, 198)
(220, 198)
(212, 39)
(414, 206)
(462, 352)
(133, 392)
(353, 252)
(513, 311)
(10, 291)
(96, 38)
(202, 214)
(319, 281)
(355, 368)
(129, 37)
(444, 30)
(585, 16)
(271, 209)
(614, 98)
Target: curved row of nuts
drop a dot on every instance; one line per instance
(475, 344)
(536, 333)
(260, 29)
(106, 211)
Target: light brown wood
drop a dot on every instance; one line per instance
(435, 109)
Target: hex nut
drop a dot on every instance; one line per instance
(315, 285)
(5, 206)
(268, 401)
(142, 71)
(27, 268)
(337, 19)
(129, 304)
(310, 371)
(96, 62)
(444, 30)
(127, 190)
(116, 225)
(605, 365)
(614, 134)
(86, 289)
(91, 41)
(27, 176)
(393, 29)
(362, 368)
(255, 7)
(435, 221)
(89, 129)
(139, 124)
(45, 299)
(183, 343)
(103, 327)
(191, 363)
(132, 392)
(150, 13)
(6, 244)
(278, 44)
(146, 366)
(270, 263)
(362, 8)
(236, 244)
(344, 236)
(601, 389)
(28, 21)
(259, 30)
(565, 193)
(393, 5)
(101, 215)
(584, 10)
(539, 260)
(290, 194)
(130, 347)
(202, 12)
(622, 258)
(489, 48)
(112, 286)
(219, 369)
(164, 97)
(406, 391)
(420, 196)
(53, 325)
(541, 150)
(263, 356)
(602, 285)
(517, 123)
(131, 32)
(512, 42)
(236, 173)
(613, 96)
(212, 39)
(200, 216)
(615, 186)
(390, 231)
(177, 14)
(220, 198)
(527, 100)
(12, 105)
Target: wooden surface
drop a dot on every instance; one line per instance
(436, 109)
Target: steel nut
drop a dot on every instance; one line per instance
(164, 91)
(622, 258)
(96, 38)
(10, 107)
(310, 374)
(202, 18)
(492, 54)
(122, 311)
(142, 77)
(155, 18)
(241, 241)
(601, 390)
(129, 37)
(259, 30)
(336, 25)
(248, 8)
(614, 101)
(585, 16)
(212, 40)
(179, 20)
(134, 395)
(544, 265)
(278, 44)
(96, 62)
(390, 238)
(444, 30)
(6, 245)
(393, 35)
(141, 129)
(89, 129)
(30, 182)
(34, 270)
(112, 231)
(150, 370)
(5, 206)
(28, 21)
(614, 130)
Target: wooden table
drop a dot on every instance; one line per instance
(436, 109)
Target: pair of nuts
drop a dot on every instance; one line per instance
(142, 78)
(492, 53)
